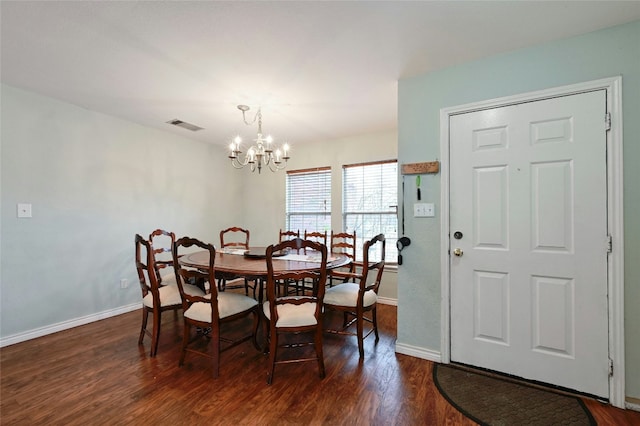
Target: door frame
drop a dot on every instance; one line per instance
(615, 260)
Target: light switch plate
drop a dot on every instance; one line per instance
(424, 210)
(24, 210)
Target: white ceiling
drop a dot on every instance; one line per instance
(320, 69)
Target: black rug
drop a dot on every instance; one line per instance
(496, 401)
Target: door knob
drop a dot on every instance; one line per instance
(458, 252)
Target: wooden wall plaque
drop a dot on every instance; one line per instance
(421, 168)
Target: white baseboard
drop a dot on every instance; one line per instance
(387, 301)
(418, 352)
(632, 405)
(65, 325)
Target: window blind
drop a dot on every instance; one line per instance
(370, 199)
(309, 199)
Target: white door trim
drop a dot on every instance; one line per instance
(615, 223)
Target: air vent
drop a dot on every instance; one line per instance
(184, 125)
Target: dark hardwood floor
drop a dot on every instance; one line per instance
(97, 374)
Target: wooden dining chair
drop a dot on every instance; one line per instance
(156, 298)
(360, 294)
(345, 244)
(208, 312)
(317, 236)
(294, 315)
(288, 235)
(285, 285)
(162, 243)
(235, 238)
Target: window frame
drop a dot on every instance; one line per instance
(391, 249)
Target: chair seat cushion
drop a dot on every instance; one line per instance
(169, 279)
(346, 294)
(228, 304)
(293, 315)
(170, 295)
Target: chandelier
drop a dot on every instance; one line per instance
(262, 153)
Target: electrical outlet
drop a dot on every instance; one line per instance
(124, 283)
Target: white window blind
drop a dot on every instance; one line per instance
(309, 200)
(369, 207)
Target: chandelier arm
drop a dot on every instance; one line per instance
(235, 161)
(274, 167)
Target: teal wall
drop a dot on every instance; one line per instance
(606, 53)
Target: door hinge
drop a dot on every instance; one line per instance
(609, 243)
(607, 121)
(610, 367)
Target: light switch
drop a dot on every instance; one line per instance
(24, 210)
(424, 210)
(429, 210)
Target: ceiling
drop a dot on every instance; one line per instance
(321, 70)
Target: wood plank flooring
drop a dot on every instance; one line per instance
(98, 375)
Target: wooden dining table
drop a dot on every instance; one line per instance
(252, 264)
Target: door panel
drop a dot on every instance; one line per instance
(529, 286)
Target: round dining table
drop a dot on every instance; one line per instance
(252, 264)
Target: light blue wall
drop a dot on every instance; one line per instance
(606, 53)
(94, 181)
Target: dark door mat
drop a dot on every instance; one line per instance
(494, 401)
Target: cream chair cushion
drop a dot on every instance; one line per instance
(228, 304)
(346, 294)
(170, 295)
(169, 278)
(293, 315)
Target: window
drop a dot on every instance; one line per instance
(309, 199)
(370, 200)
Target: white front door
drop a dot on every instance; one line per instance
(528, 221)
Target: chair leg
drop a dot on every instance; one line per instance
(374, 320)
(155, 336)
(185, 341)
(145, 316)
(215, 338)
(360, 326)
(256, 324)
(345, 320)
(259, 287)
(319, 353)
(273, 347)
